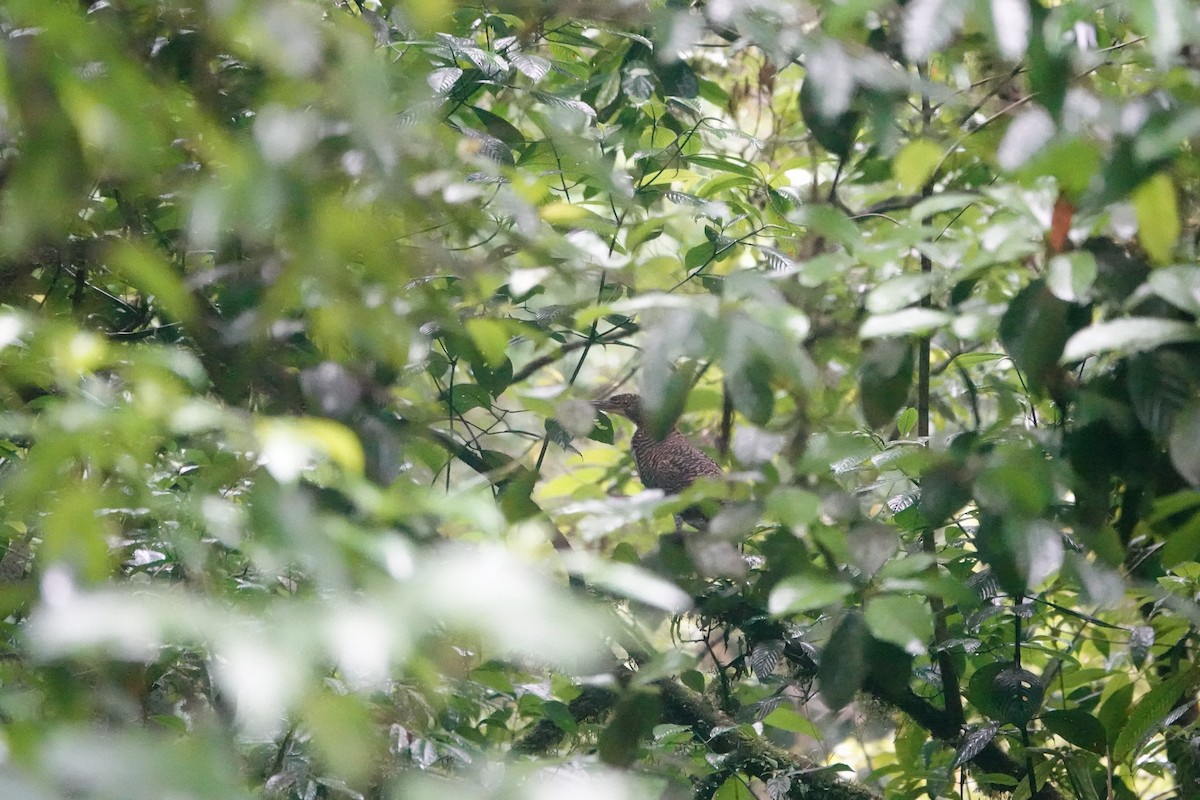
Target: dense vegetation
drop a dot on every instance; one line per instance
(302, 303)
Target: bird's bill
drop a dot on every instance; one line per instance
(609, 405)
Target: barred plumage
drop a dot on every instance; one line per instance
(671, 463)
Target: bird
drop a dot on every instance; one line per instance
(671, 463)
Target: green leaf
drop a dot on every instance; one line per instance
(735, 787)
(1168, 25)
(903, 621)
(493, 380)
(1114, 711)
(915, 164)
(1158, 216)
(567, 103)
(1019, 694)
(910, 322)
(844, 661)
(442, 80)
(699, 255)
(499, 127)
(1183, 444)
(786, 719)
(1035, 329)
(836, 131)
(632, 721)
(1070, 276)
(1128, 335)
(341, 728)
(1022, 555)
(1179, 286)
(1078, 727)
(901, 291)
(1150, 712)
(1083, 773)
(723, 164)
(827, 221)
(491, 337)
(945, 488)
(981, 689)
(556, 433)
(972, 359)
(466, 396)
(1049, 63)
(150, 272)
(974, 742)
(939, 204)
(793, 506)
(751, 390)
(558, 713)
(636, 83)
(885, 379)
(603, 431)
(693, 679)
(806, 593)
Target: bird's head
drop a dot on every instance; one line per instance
(627, 405)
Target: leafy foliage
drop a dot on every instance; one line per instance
(302, 303)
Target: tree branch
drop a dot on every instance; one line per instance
(608, 337)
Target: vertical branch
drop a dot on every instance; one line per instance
(951, 690)
(1029, 765)
(450, 403)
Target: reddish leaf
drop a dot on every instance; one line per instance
(1060, 224)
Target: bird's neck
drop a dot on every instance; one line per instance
(642, 434)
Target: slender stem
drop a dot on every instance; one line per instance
(591, 340)
(951, 690)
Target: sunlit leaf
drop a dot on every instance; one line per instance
(1150, 712)
(1127, 335)
(787, 719)
(806, 592)
(1158, 217)
(915, 164)
(912, 321)
(904, 621)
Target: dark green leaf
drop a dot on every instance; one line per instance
(1078, 727)
(843, 661)
(633, 720)
(499, 127)
(981, 690)
(494, 381)
(1114, 711)
(678, 79)
(1018, 694)
(557, 713)
(1035, 329)
(603, 431)
(974, 741)
(466, 396)
(885, 378)
(1184, 444)
(835, 132)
